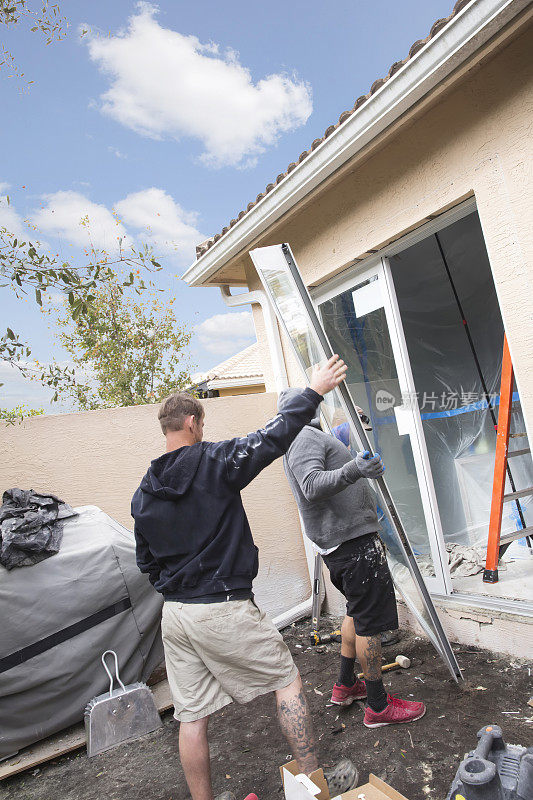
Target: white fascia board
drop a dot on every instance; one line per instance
(230, 383)
(455, 43)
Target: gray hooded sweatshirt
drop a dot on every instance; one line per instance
(335, 501)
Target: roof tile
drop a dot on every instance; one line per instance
(437, 26)
(245, 364)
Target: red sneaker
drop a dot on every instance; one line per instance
(345, 695)
(396, 711)
(251, 797)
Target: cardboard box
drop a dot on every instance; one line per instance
(314, 787)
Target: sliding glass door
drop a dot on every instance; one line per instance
(359, 322)
(422, 334)
(282, 281)
(452, 329)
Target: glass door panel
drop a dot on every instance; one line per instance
(355, 322)
(283, 284)
(453, 332)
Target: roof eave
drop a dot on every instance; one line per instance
(469, 30)
(229, 383)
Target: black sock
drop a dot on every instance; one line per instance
(376, 696)
(347, 674)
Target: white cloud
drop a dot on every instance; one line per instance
(166, 84)
(55, 299)
(18, 390)
(225, 334)
(117, 153)
(10, 218)
(151, 215)
(162, 222)
(73, 217)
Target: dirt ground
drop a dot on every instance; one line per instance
(419, 759)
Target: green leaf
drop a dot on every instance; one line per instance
(11, 334)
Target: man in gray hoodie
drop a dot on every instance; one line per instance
(339, 514)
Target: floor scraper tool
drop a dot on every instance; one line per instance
(119, 715)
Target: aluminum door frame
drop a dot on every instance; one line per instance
(437, 584)
(403, 355)
(286, 260)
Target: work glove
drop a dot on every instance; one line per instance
(369, 467)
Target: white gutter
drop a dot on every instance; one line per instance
(231, 383)
(466, 33)
(272, 330)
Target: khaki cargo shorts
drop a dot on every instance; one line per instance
(219, 652)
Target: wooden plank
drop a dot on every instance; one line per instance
(163, 698)
(67, 741)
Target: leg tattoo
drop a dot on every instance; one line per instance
(369, 655)
(295, 722)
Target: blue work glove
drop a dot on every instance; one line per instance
(369, 467)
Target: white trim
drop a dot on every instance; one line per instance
(228, 383)
(437, 583)
(420, 452)
(341, 282)
(466, 33)
(258, 296)
(502, 605)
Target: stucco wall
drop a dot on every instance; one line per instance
(475, 140)
(238, 390)
(99, 457)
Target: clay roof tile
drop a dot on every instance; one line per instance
(437, 26)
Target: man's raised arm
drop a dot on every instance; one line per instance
(246, 456)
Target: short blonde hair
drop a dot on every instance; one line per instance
(175, 408)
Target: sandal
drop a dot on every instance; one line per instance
(342, 777)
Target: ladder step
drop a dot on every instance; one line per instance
(517, 435)
(516, 495)
(515, 453)
(507, 538)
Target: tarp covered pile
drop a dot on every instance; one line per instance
(58, 617)
(31, 527)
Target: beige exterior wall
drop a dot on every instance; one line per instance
(233, 391)
(474, 140)
(99, 457)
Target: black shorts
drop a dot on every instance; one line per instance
(359, 569)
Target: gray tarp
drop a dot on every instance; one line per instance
(60, 615)
(31, 527)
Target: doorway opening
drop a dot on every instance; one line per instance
(422, 334)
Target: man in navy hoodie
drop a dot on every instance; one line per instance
(194, 541)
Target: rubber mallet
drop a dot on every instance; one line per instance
(401, 662)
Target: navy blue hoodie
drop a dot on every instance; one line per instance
(192, 535)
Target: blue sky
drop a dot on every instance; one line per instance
(176, 115)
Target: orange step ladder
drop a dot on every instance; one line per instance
(497, 544)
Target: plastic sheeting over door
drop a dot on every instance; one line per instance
(445, 292)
